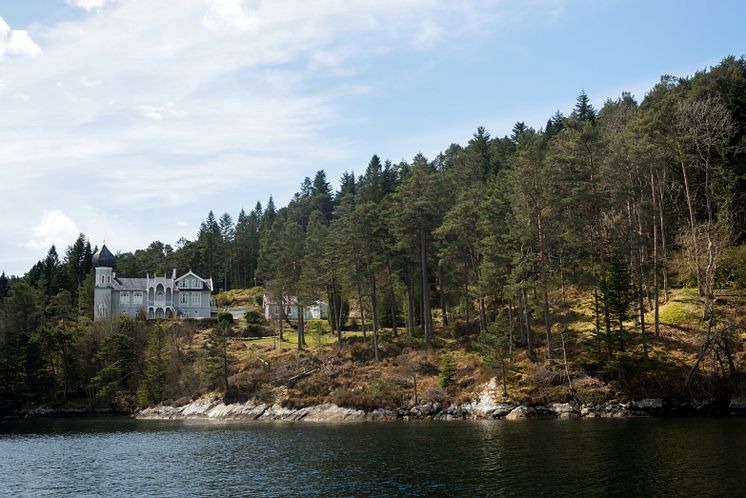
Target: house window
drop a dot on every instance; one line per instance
(194, 283)
(137, 297)
(196, 299)
(196, 313)
(183, 298)
(101, 310)
(124, 298)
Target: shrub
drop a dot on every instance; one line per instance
(361, 351)
(435, 395)
(461, 329)
(225, 317)
(447, 372)
(732, 268)
(314, 325)
(256, 330)
(254, 317)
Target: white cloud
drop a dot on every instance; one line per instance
(159, 112)
(90, 5)
(16, 42)
(154, 111)
(428, 35)
(229, 14)
(54, 228)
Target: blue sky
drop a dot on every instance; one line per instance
(129, 119)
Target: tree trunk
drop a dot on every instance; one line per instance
(548, 324)
(521, 325)
(392, 300)
(596, 313)
(301, 328)
(337, 314)
(510, 329)
(663, 237)
(467, 300)
(372, 283)
(482, 315)
(443, 310)
(410, 305)
(527, 320)
(656, 284)
(360, 296)
(427, 325)
(692, 224)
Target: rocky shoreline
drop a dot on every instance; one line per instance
(487, 406)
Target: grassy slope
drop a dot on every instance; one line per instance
(321, 373)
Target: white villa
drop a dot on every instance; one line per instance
(316, 311)
(187, 296)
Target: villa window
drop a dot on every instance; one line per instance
(137, 297)
(194, 283)
(196, 299)
(183, 298)
(124, 298)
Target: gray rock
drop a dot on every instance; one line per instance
(521, 412)
(382, 414)
(737, 404)
(647, 404)
(563, 410)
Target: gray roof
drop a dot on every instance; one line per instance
(120, 283)
(104, 257)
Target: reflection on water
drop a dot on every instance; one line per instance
(118, 457)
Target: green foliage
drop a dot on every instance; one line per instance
(526, 221)
(447, 371)
(153, 386)
(117, 360)
(225, 317)
(218, 358)
(254, 317)
(460, 328)
(492, 343)
(732, 268)
(322, 325)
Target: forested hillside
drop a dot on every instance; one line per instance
(503, 245)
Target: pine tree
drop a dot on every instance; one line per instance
(447, 371)
(584, 111)
(154, 382)
(518, 129)
(218, 358)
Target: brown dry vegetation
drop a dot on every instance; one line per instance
(351, 378)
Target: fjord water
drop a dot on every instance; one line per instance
(602, 457)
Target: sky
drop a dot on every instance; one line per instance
(128, 120)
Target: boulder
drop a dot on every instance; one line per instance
(737, 404)
(328, 413)
(564, 410)
(521, 412)
(646, 405)
(381, 414)
(488, 404)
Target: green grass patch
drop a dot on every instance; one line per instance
(683, 308)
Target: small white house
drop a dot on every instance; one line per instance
(316, 311)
